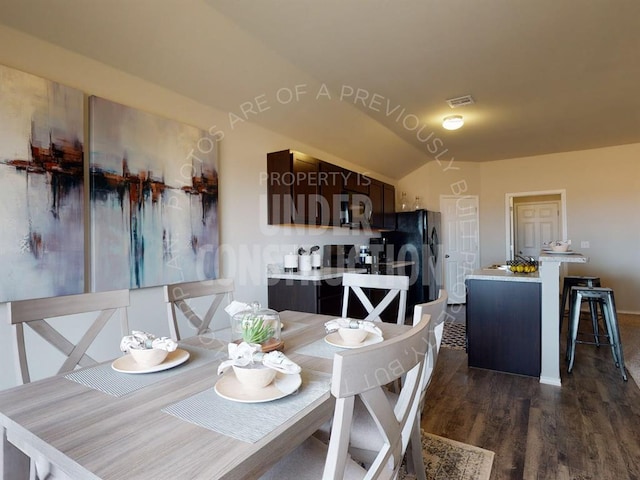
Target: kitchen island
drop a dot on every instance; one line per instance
(503, 321)
(548, 298)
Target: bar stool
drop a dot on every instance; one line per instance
(581, 281)
(604, 297)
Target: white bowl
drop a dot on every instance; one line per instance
(148, 357)
(254, 376)
(559, 246)
(352, 336)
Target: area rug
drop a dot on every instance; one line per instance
(454, 335)
(446, 459)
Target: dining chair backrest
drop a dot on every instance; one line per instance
(437, 310)
(395, 285)
(38, 313)
(363, 373)
(179, 295)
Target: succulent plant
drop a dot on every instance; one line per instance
(256, 330)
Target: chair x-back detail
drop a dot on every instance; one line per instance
(362, 374)
(36, 312)
(177, 295)
(396, 286)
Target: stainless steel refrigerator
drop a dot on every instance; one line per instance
(417, 239)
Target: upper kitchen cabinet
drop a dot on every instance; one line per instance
(383, 205)
(292, 188)
(303, 190)
(331, 183)
(356, 182)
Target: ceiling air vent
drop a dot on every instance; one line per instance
(460, 101)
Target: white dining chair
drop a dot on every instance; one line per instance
(38, 314)
(395, 285)
(361, 374)
(43, 315)
(183, 296)
(365, 440)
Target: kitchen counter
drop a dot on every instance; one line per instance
(325, 273)
(503, 275)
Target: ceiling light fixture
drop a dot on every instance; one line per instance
(452, 122)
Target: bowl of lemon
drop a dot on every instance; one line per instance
(521, 266)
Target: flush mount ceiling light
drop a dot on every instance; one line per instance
(452, 122)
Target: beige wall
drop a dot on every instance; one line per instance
(603, 207)
(247, 243)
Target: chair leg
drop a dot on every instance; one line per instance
(611, 320)
(594, 321)
(576, 299)
(414, 452)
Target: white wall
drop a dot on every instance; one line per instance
(247, 243)
(603, 199)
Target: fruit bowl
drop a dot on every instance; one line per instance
(522, 266)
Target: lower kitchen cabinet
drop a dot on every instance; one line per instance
(324, 297)
(313, 296)
(503, 326)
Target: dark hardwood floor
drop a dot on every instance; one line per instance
(587, 429)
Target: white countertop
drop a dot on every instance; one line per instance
(324, 273)
(572, 257)
(503, 275)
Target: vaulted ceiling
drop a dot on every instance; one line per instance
(367, 80)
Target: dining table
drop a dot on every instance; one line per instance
(102, 423)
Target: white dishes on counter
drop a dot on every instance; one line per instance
(336, 340)
(126, 363)
(230, 388)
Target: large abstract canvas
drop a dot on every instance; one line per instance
(41, 187)
(154, 192)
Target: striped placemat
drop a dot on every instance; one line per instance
(319, 348)
(249, 422)
(107, 380)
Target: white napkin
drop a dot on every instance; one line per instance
(335, 324)
(141, 340)
(235, 307)
(244, 354)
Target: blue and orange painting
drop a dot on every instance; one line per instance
(153, 199)
(41, 187)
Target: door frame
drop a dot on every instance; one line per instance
(509, 215)
(476, 263)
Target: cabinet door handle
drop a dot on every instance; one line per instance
(446, 256)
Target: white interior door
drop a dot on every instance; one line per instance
(536, 223)
(460, 226)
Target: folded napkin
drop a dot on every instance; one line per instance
(235, 307)
(244, 354)
(335, 324)
(141, 340)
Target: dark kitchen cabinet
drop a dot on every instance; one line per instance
(383, 205)
(389, 207)
(317, 296)
(503, 326)
(303, 190)
(331, 188)
(292, 188)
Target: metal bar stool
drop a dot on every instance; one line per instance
(581, 281)
(604, 296)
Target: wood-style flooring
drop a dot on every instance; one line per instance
(587, 429)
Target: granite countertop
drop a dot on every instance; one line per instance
(324, 273)
(503, 275)
(569, 257)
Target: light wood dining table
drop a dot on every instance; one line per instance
(89, 434)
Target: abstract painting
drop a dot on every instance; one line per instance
(41, 187)
(153, 199)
